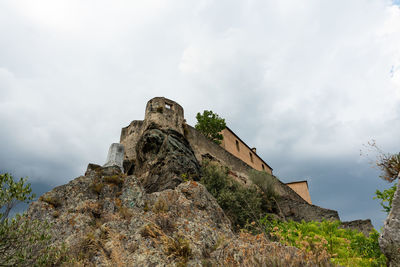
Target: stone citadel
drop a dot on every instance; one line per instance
(168, 114)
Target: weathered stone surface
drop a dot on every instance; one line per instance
(107, 219)
(389, 241)
(364, 226)
(300, 210)
(164, 160)
(115, 156)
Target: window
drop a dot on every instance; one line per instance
(237, 145)
(251, 157)
(262, 165)
(168, 106)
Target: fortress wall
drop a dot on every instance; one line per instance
(234, 145)
(129, 137)
(301, 188)
(203, 146)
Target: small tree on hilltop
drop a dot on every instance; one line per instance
(210, 124)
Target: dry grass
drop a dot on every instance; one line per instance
(114, 179)
(165, 223)
(160, 206)
(52, 200)
(96, 187)
(256, 250)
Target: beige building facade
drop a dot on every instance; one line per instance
(301, 188)
(234, 145)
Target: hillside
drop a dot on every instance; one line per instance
(147, 207)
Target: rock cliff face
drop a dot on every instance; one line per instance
(164, 160)
(389, 241)
(107, 218)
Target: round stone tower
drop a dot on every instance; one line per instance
(165, 113)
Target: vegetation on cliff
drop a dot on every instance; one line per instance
(320, 242)
(327, 240)
(243, 205)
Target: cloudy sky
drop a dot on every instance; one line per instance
(306, 82)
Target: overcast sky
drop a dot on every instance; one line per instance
(306, 82)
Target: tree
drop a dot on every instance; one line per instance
(23, 242)
(210, 124)
(389, 164)
(11, 193)
(386, 196)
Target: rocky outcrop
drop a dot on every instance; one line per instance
(363, 226)
(164, 160)
(106, 218)
(389, 241)
(301, 210)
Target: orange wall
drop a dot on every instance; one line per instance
(301, 188)
(229, 144)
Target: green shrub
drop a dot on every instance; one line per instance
(265, 181)
(324, 240)
(24, 241)
(241, 204)
(386, 196)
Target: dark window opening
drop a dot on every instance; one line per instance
(237, 145)
(262, 165)
(251, 157)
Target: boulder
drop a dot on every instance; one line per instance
(389, 241)
(164, 160)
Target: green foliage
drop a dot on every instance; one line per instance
(23, 241)
(386, 196)
(210, 124)
(13, 192)
(241, 204)
(323, 240)
(26, 242)
(265, 181)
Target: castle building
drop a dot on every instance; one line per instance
(234, 145)
(301, 188)
(233, 152)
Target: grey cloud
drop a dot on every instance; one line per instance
(306, 84)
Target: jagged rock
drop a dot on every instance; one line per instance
(389, 241)
(164, 160)
(107, 219)
(364, 226)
